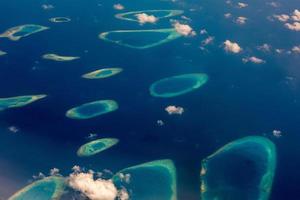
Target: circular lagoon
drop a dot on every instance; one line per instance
(92, 109)
(177, 85)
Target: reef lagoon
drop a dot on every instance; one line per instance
(143, 100)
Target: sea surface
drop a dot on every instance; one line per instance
(240, 99)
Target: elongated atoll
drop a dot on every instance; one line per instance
(92, 109)
(140, 39)
(49, 188)
(2, 53)
(158, 14)
(59, 19)
(18, 32)
(153, 180)
(102, 73)
(96, 146)
(19, 101)
(242, 169)
(55, 57)
(177, 85)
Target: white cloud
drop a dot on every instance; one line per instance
(208, 41)
(184, 29)
(203, 31)
(95, 189)
(232, 47)
(296, 15)
(227, 15)
(118, 6)
(254, 60)
(277, 133)
(273, 4)
(174, 110)
(282, 17)
(144, 18)
(54, 172)
(39, 176)
(293, 26)
(241, 20)
(296, 49)
(242, 5)
(264, 48)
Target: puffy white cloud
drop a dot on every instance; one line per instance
(293, 26)
(174, 110)
(282, 17)
(144, 18)
(277, 133)
(296, 15)
(242, 5)
(232, 47)
(296, 49)
(54, 172)
(184, 29)
(118, 6)
(254, 60)
(241, 20)
(95, 189)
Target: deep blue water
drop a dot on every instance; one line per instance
(238, 100)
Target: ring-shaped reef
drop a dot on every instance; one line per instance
(159, 14)
(177, 85)
(153, 180)
(96, 146)
(59, 19)
(46, 189)
(58, 58)
(18, 32)
(19, 101)
(102, 73)
(242, 169)
(92, 109)
(140, 39)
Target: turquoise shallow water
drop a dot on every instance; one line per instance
(240, 99)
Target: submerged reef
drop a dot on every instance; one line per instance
(242, 169)
(153, 180)
(140, 39)
(96, 146)
(177, 85)
(19, 101)
(92, 109)
(49, 188)
(18, 32)
(102, 73)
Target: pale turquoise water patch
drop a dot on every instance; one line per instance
(140, 39)
(96, 146)
(50, 188)
(18, 32)
(59, 19)
(59, 58)
(102, 73)
(92, 109)
(177, 85)
(19, 101)
(2, 53)
(242, 169)
(158, 14)
(153, 180)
